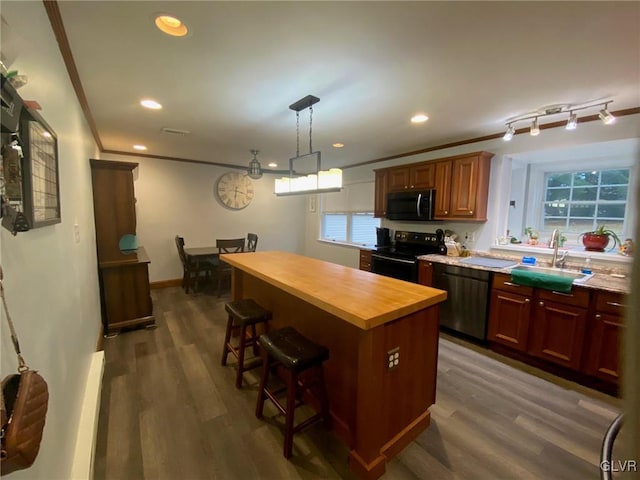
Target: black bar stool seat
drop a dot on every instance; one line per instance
(242, 314)
(300, 362)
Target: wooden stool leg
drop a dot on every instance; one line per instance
(254, 338)
(292, 385)
(241, 347)
(227, 339)
(264, 380)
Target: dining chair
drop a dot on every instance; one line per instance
(252, 242)
(191, 270)
(233, 245)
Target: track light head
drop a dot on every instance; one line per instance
(606, 117)
(535, 129)
(572, 123)
(509, 133)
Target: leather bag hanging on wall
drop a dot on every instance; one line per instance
(24, 402)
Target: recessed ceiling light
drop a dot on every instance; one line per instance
(272, 164)
(419, 118)
(152, 104)
(338, 145)
(139, 147)
(171, 25)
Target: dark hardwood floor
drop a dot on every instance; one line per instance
(170, 411)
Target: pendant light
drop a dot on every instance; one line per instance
(318, 181)
(255, 169)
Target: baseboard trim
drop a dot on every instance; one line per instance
(175, 282)
(82, 466)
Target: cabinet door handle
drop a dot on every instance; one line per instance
(541, 304)
(563, 294)
(598, 316)
(446, 212)
(616, 304)
(511, 284)
(470, 212)
(526, 300)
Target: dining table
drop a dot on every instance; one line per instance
(197, 254)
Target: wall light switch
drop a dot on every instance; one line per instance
(76, 232)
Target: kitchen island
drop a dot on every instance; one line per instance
(382, 335)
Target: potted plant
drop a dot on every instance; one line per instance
(533, 235)
(598, 239)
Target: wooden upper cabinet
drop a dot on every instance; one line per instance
(380, 199)
(413, 177)
(422, 176)
(461, 184)
(398, 179)
(469, 187)
(114, 206)
(443, 189)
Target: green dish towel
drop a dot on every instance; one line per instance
(542, 280)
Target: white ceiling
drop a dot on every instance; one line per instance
(469, 65)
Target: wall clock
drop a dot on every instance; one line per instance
(234, 190)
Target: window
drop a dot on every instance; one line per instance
(347, 216)
(573, 190)
(579, 201)
(356, 227)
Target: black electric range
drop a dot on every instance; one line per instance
(400, 260)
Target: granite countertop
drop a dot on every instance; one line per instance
(603, 279)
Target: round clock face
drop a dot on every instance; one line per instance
(234, 190)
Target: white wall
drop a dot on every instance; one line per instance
(51, 283)
(177, 198)
(499, 186)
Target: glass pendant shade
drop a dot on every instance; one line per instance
(255, 169)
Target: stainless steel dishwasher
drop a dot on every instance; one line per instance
(467, 304)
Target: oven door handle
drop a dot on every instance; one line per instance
(418, 205)
(391, 259)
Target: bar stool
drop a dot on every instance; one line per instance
(299, 361)
(242, 314)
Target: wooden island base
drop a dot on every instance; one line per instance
(378, 406)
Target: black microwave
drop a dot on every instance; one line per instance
(416, 205)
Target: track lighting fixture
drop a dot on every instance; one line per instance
(572, 120)
(509, 133)
(535, 129)
(606, 116)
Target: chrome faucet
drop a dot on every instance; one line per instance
(555, 242)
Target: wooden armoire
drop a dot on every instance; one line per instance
(124, 274)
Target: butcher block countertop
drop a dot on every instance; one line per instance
(361, 298)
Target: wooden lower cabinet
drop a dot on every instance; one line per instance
(365, 260)
(606, 328)
(509, 313)
(126, 296)
(509, 319)
(558, 327)
(425, 273)
(576, 335)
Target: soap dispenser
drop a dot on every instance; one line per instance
(586, 269)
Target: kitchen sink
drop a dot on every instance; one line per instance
(578, 277)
